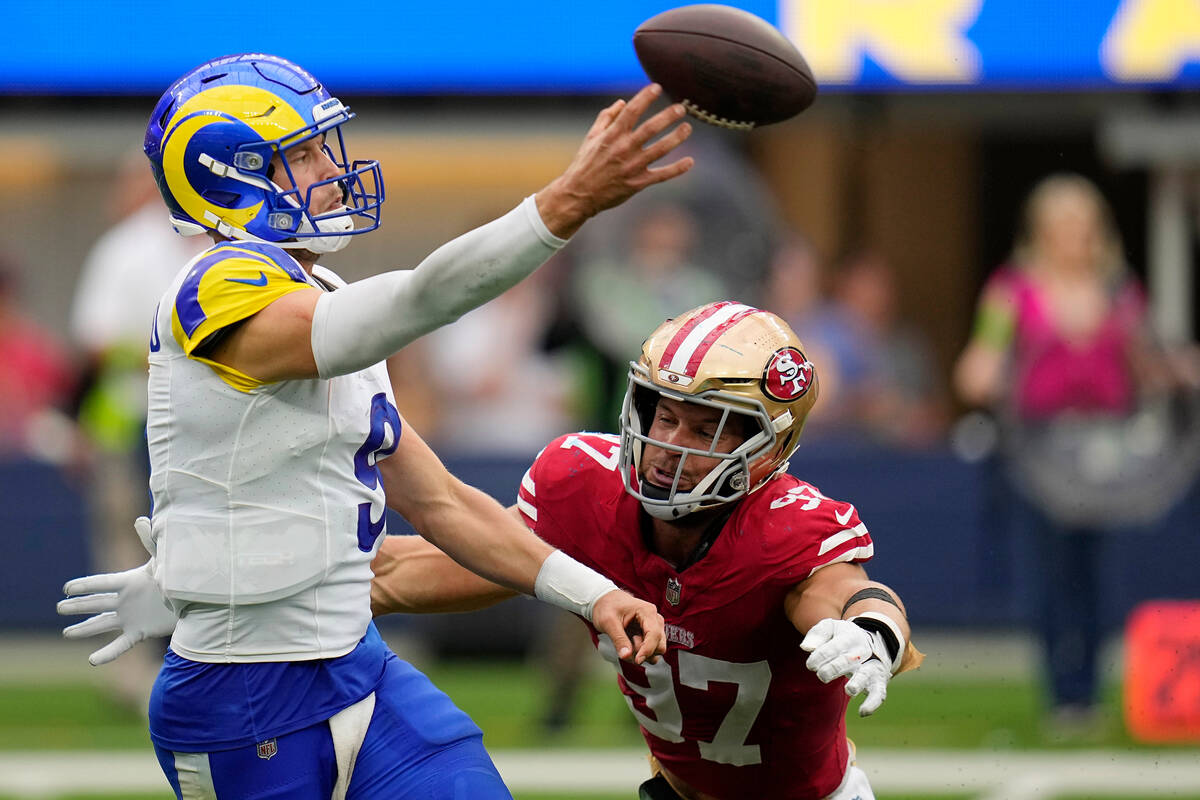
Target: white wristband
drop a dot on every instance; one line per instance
(564, 582)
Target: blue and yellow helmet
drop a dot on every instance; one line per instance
(211, 140)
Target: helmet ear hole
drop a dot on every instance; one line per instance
(222, 198)
(645, 403)
(166, 115)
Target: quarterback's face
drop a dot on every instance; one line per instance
(686, 425)
(310, 164)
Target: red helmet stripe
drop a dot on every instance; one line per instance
(694, 362)
(683, 332)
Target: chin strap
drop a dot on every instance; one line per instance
(314, 244)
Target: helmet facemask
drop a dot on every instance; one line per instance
(359, 182)
(728, 480)
(744, 362)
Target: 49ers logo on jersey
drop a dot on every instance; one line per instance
(788, 375)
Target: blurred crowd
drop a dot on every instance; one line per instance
(570, 332)
(547, 357)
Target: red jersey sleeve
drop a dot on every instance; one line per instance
(802, 530)
(564, 482)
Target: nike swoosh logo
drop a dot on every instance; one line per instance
(261, 280)
(842, 519)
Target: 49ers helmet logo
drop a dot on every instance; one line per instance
(788, 375)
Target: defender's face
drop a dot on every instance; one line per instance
(309, 164)
(686, 425)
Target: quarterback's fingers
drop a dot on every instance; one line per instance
(87, 604)
(672, 170)
(604, 119)
(637, 105)
(666, 144)
(94, 584)
(110, 651)
(101, 623)
(658, 123)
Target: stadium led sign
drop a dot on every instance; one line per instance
(556, 47)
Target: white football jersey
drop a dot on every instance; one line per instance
(268, 507)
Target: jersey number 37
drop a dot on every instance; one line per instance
(697, 672)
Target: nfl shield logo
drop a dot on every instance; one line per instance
(267, 749)
(674, 587)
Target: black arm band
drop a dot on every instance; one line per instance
(889, 636)
(871, 592)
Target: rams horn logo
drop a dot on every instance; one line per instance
(788, 375)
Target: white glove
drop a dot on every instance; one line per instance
(842, 649)
(129, 602)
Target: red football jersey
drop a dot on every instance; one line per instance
(731, 709)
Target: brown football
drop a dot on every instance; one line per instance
(728, 66)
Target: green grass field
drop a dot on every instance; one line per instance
(506, 700)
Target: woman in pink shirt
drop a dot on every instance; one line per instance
(1060, 339)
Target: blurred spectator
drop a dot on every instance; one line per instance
(1060, 350)
(122, 279)
(877, 373)
(499, 392)
(887, 365)
(618, 298)
(794, 289)
(36, 379)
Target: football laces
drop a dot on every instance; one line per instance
(713, 119)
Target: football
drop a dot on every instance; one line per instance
(727, 66)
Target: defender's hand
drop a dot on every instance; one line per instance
(127, 602)
(613, 163)
(841, 649)
(637, 630)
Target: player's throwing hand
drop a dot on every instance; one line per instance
(614, 161)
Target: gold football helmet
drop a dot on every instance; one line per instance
(741, 360)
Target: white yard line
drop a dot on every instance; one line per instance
(992, 775)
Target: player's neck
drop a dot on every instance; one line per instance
(685, 541)
(306, 259)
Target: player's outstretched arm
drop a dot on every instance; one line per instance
(307, 334)
(854, 628)
(412, 576)
(483, 537)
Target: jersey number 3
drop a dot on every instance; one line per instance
(697, 672)
(379, 444)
